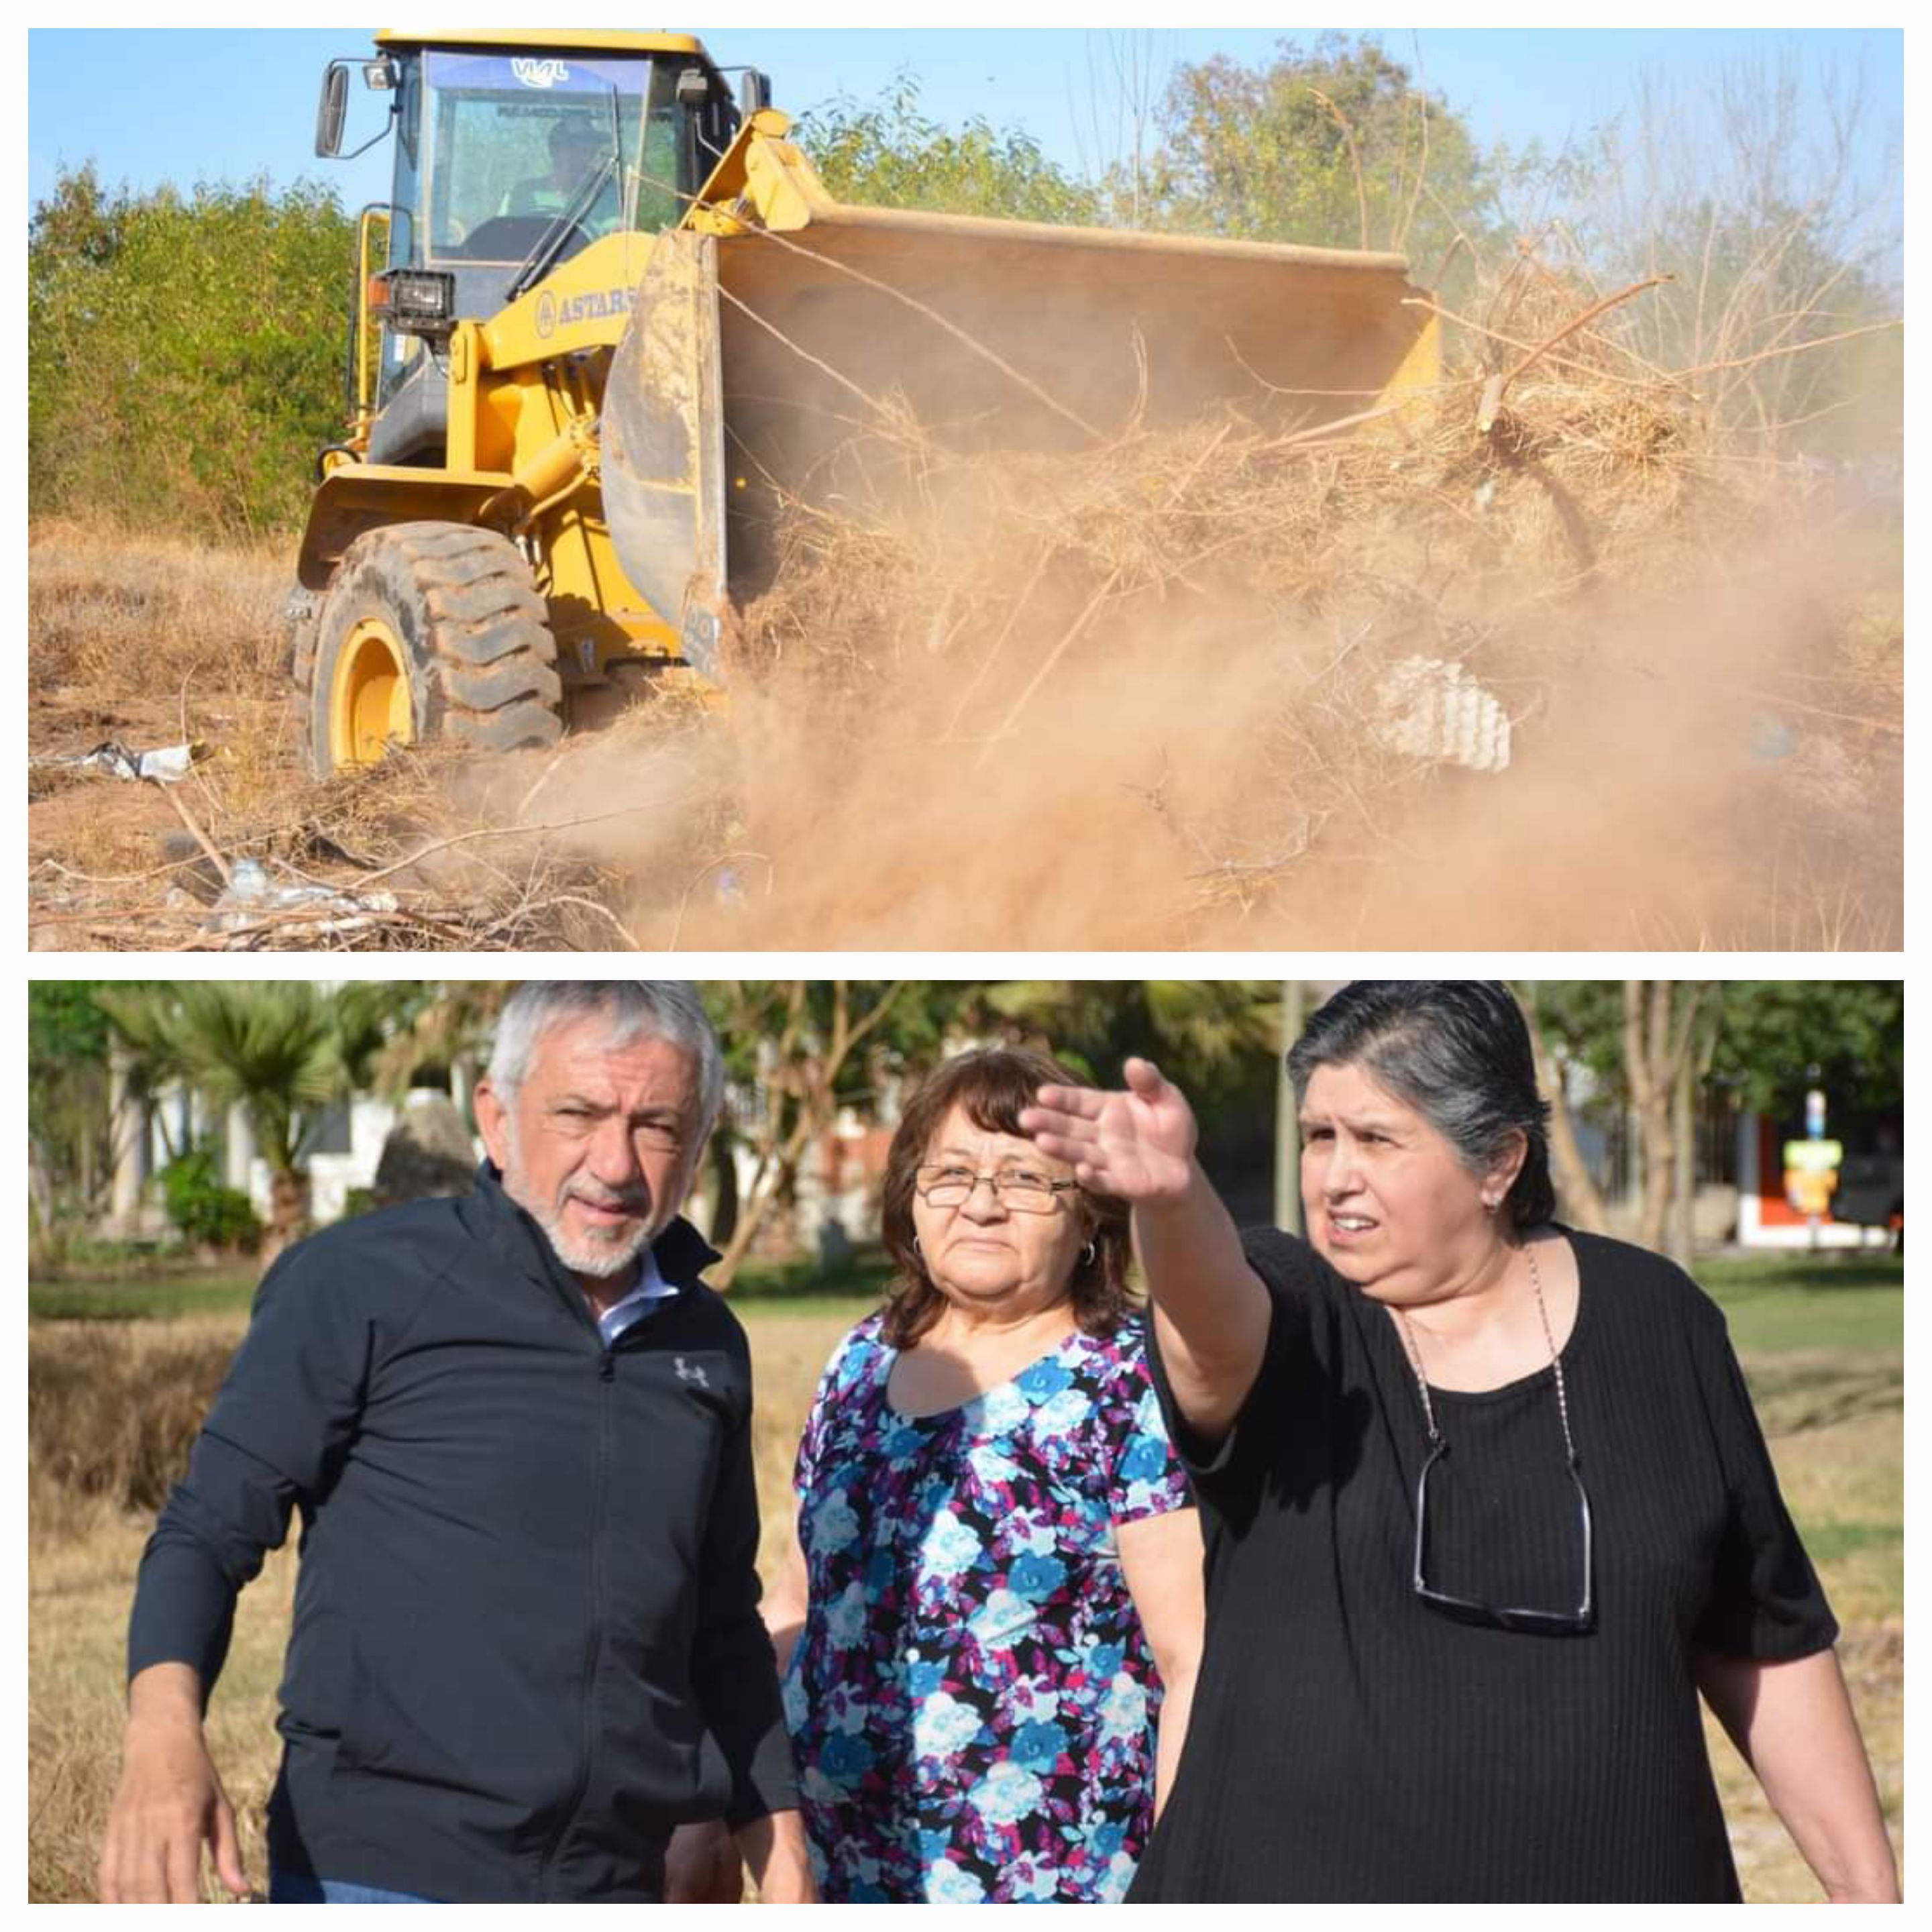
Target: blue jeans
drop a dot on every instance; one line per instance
(300, 1888)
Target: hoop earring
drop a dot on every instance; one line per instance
(916, 1248)
(1087, 1254)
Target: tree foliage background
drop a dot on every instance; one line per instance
(890, 154)
(1333, 143)
(185, 351)
(801, 1053)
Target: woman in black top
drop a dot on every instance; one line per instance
(1486, 1505)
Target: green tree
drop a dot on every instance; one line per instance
(272, 1046)
(1220, 1041)
(68, 1129)
(1775, 1032)
(796, 1051)
(1649, 1043)
(184, 351)
(890, 154)
(1652, 1044)
(209, 1213)
(1332, 144)
(1772, 195)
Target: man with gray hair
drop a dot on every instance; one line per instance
(526, 1644)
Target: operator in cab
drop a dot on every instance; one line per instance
(576, 148)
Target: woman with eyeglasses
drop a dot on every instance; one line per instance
(990, 1637)
(1487, 1507)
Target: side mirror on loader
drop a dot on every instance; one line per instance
(755, 92)
(331, 110)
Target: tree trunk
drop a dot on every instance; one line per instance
(720, 1161)
(129, 1110)
(40, 1191)
(1661, 1022)
(1684, 1186)
(1646, 1048)
(1288, 1215)
(809, 1078)
(288, 1194)
(1582, 1199)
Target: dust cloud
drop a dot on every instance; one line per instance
(1697, 770)
(1065, 635)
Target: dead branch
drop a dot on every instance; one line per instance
(1341, 121)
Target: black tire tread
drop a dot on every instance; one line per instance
(473, 690)
(511, 729)
(482, 638)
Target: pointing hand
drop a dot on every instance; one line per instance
(1137, 1145)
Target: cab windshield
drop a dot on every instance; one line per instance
(511, 142)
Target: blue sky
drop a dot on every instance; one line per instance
(183, 104)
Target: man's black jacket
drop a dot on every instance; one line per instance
(526, 1641)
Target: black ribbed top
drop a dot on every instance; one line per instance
(1349, 1742)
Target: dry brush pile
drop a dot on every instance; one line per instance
(1557, 516)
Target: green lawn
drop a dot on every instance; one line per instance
(1775, 1303)
(162, 1298)
(1783, 1304)
(802, 1287)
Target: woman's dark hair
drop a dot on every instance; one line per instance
(1458, 1051)
(992, 1085)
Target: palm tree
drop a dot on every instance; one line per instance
(270, 1046)
(433, 1029)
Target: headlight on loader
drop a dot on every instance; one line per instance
(414, 301)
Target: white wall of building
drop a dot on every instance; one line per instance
(332, 1175)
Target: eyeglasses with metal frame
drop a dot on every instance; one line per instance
(1018, 1189)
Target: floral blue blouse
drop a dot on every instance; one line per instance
(973, 1700)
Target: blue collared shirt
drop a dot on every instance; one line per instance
(642, 1300)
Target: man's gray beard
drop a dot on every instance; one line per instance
(598, 1259)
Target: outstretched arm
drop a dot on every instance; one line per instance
(1211, 1308)
(1792, 1723)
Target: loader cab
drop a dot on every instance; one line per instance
(515, 153)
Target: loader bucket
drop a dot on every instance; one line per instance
(972, 335)
(663, 454)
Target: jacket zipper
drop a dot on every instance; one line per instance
(607, 1371)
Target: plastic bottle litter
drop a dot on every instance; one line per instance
(252, 897)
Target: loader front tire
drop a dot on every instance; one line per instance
(429, 631)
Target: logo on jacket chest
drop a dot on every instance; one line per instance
(690, 1372)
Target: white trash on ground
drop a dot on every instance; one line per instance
(1432, 708)
(168, 766)
(252, 899)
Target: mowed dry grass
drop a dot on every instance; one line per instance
(1844, 1481)
(150, 642)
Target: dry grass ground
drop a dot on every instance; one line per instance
(1835, 1423)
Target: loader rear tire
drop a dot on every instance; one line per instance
(429, 631)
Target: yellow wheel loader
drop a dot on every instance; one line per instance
(609, 319)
